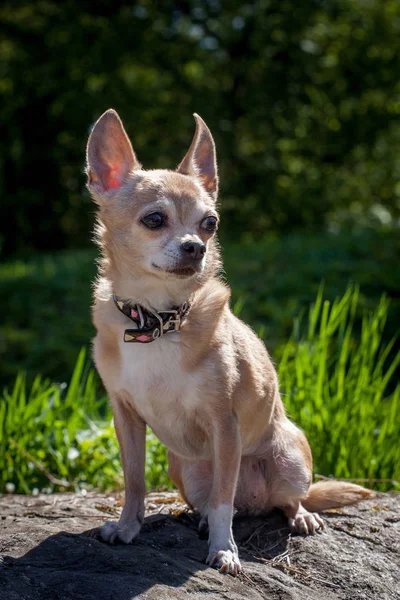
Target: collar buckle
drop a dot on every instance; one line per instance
(173, 323)
(176, 323)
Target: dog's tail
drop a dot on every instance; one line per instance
(333, 494)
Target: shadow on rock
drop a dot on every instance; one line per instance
(77, 566)
(166, 561)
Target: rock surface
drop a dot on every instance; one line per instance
(46, 556)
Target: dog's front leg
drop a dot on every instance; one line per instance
(226, 446)
(131, 434)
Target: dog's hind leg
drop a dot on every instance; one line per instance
(194, 482)
(279, 476)
(291, 466)
(177, 472)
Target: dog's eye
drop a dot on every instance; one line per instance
(154, 220)
(209, 224)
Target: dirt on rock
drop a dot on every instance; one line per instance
(46, 554)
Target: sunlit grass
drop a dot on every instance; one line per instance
(337, 385)
(342, 391)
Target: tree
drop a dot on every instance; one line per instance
(302, 98)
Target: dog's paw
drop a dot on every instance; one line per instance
(227, 561)
(306, 523)
(115, 531)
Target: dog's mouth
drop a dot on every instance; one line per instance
(182, 273)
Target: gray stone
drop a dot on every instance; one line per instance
(47, 554)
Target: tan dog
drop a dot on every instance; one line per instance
(205, 385)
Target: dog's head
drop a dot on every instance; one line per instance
(159, 223)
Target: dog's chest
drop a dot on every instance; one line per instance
(163, 393)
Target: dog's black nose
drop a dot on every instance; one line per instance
(196, 250)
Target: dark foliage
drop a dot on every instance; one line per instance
(302, 97)
(47, 319)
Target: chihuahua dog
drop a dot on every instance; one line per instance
(173, 356)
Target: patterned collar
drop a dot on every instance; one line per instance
(150, 325)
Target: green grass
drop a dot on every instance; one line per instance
(338, 386)
(343, 392)
(61, 437)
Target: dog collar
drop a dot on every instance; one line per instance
(150, 325)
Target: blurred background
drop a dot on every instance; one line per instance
(303, 99)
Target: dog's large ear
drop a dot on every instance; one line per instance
(109, 154)
(200, 159)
